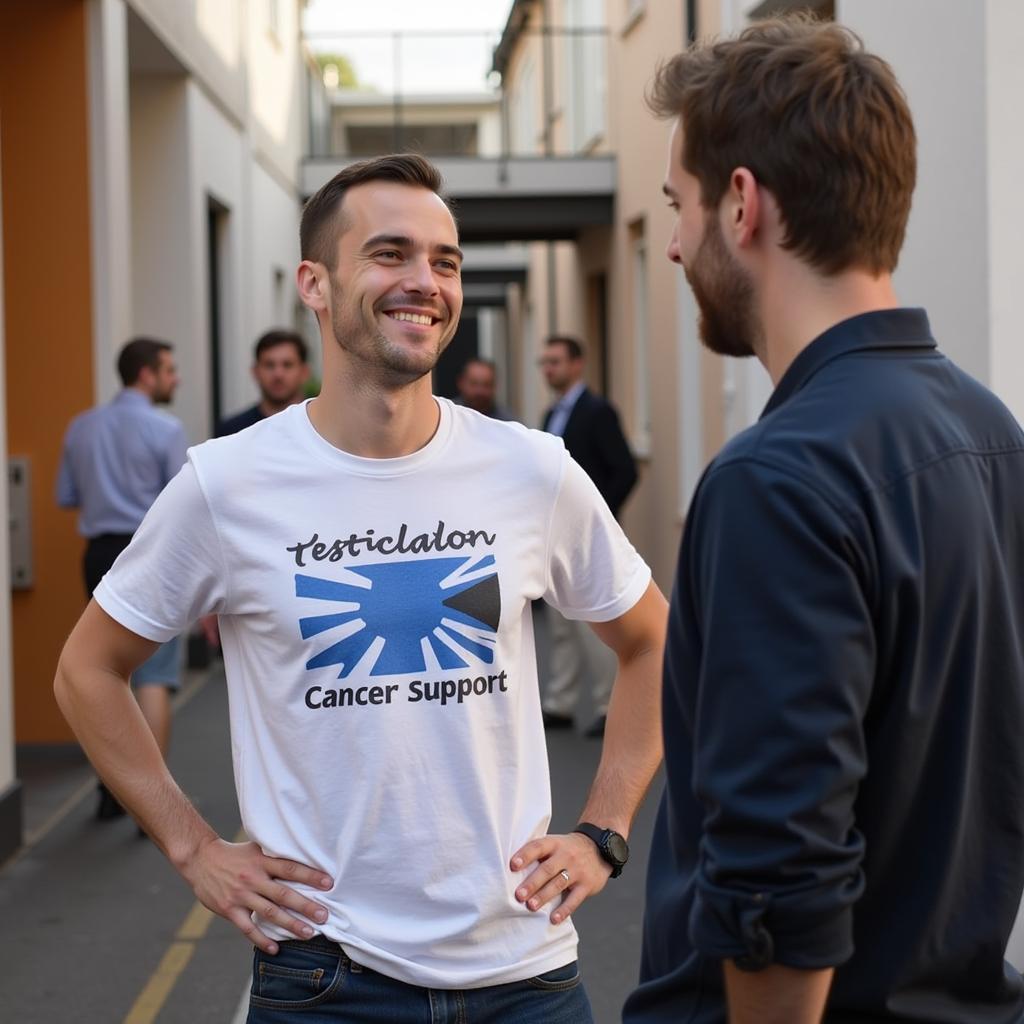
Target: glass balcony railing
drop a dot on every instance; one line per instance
(463, 94)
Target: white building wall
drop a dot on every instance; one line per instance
(207, 36)
(221, 171)
(191, 146)
(270, 294)
(1005, 156)
(110, 189)
(162, 240)
(276, 79)
(938, 50)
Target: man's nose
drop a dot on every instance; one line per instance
(421, 278)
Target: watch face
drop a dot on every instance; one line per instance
(617, 848)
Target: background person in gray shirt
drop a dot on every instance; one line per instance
(117, 458)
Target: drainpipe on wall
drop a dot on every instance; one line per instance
(691, 22)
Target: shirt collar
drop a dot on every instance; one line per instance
(568, 400)
(132, 395)
(884, 328)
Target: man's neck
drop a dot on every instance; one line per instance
(373, 422)
(140, 391)
(798, 304)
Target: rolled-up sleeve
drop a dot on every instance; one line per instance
(786, 671)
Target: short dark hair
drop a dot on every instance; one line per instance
(281, 336)
(478, 361)
(572, 345)
(321, 217)
(138, 354)
(822, 124)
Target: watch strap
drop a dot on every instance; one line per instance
(599, 837)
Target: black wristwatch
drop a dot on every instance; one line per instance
(612, 847)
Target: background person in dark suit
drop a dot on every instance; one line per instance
(587, 423)
(589, 426)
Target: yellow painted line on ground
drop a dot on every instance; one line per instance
(154, 995)
(196, 923)
(162, 981)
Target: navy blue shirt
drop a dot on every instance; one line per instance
(844, 696)
(241, 420)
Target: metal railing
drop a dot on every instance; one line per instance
(439, 93)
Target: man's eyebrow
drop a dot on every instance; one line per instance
(450, 250)
(399, 241)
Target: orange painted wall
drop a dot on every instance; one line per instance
(48, 319)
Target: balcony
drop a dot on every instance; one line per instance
(526, 161)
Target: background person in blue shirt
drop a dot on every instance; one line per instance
(117, 458)
(842, 831)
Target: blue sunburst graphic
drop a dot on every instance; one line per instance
(448, 608)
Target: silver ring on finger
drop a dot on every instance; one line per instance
(565, 875)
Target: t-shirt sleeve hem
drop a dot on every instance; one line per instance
(128, 617)
(635, 589)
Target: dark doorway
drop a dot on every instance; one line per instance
(216, 238)
(597, 327)
(463, 347)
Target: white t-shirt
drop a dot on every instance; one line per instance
(378, 643)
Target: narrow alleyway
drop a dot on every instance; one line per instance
(98, 929)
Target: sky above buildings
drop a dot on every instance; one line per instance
(438, 47)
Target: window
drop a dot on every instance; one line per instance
(428, 139)
(585, 73)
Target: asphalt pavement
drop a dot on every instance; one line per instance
(97, 928)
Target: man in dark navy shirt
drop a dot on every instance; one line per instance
(280, 369)
(842, 831)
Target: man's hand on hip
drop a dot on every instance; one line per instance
(567, 866)
(235, 879)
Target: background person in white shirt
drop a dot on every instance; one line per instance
(373, 555)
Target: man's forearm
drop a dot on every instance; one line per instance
(776, 995)
(632, 743)
(99, 706)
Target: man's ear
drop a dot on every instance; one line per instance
(742, 208)
(311, 280)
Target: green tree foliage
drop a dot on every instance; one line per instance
(332, 64)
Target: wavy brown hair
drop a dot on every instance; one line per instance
(821, 123)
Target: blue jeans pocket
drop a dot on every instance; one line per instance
(561, 979)
(298, 977)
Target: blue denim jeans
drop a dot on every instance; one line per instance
(315, 982)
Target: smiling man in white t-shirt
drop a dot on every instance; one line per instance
(372, 556)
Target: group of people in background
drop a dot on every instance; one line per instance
(837, 687)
